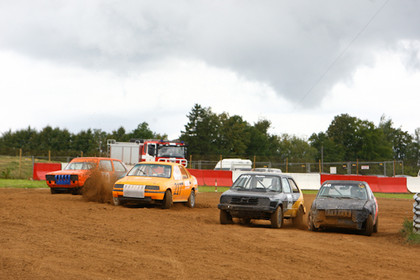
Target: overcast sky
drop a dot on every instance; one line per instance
(105, 64)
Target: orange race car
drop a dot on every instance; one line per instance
(80, 170)
(161, 182)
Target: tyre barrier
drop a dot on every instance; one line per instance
(416, 211)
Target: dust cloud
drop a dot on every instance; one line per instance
(98, 188)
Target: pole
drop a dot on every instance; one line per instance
(394, 167)
(49, 155)
(287, 165)
(190, 161)
(320, 167)
(357, 167)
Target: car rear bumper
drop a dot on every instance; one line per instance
(354, 220)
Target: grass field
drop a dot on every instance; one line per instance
(17, 168)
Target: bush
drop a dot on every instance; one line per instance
(6, 174)
(408, 233)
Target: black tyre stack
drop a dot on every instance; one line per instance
(416, 217)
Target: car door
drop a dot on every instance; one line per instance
(288, 193)
(178, 183)
(119, 169)
(295, 190)
(187, 180)
(105, 167)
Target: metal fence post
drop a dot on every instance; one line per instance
(416, 211)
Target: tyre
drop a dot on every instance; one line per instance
(167, 200)
(76, 191)
(375, 227)
(191, 200)
(311, 226)
(225, 218)
(116, 201)
(245, 221)
(369, 226)
(277, 218)
(53, 191)
(298, 220)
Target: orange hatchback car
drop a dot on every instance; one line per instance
(78, 172)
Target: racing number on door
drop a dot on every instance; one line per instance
(178, 188)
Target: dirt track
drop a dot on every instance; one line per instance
(44, 236)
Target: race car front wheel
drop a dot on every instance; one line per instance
(167, 200)
(277, 218)
(225, 218)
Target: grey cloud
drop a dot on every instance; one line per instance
(289, 45)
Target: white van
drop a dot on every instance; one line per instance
(234, 164)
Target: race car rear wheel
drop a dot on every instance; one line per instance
(375, 227)
(191, 199)
(298, 220)
(167, 200)
(277, 218)
(369, 226)
(53, 191)
(225, 218)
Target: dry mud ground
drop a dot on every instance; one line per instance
(44, 236)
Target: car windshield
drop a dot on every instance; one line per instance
(343, 190)
(171, 151)
(80, 165)
(151, 170)
(257, 182)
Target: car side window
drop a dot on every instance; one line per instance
(105, 165)
(292, 183)
(183, 172)
(119, 167)
(177, 173)
(285, 185)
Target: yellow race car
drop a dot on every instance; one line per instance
(156, 182)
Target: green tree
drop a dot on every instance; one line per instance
(233, 138)
(202, 131)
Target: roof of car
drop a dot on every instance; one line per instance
(267, 174)
(93, 158)
(344, 182)
(159, 162)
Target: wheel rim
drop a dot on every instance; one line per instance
(192, 198)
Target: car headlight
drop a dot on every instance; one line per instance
(155, 188)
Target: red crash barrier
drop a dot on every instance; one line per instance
(377, 184)
(210, 177)
(40, 169)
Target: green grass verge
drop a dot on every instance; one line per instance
(408, 234)
(212, 189)
(21, 183)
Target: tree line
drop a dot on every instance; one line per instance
(210, 135)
